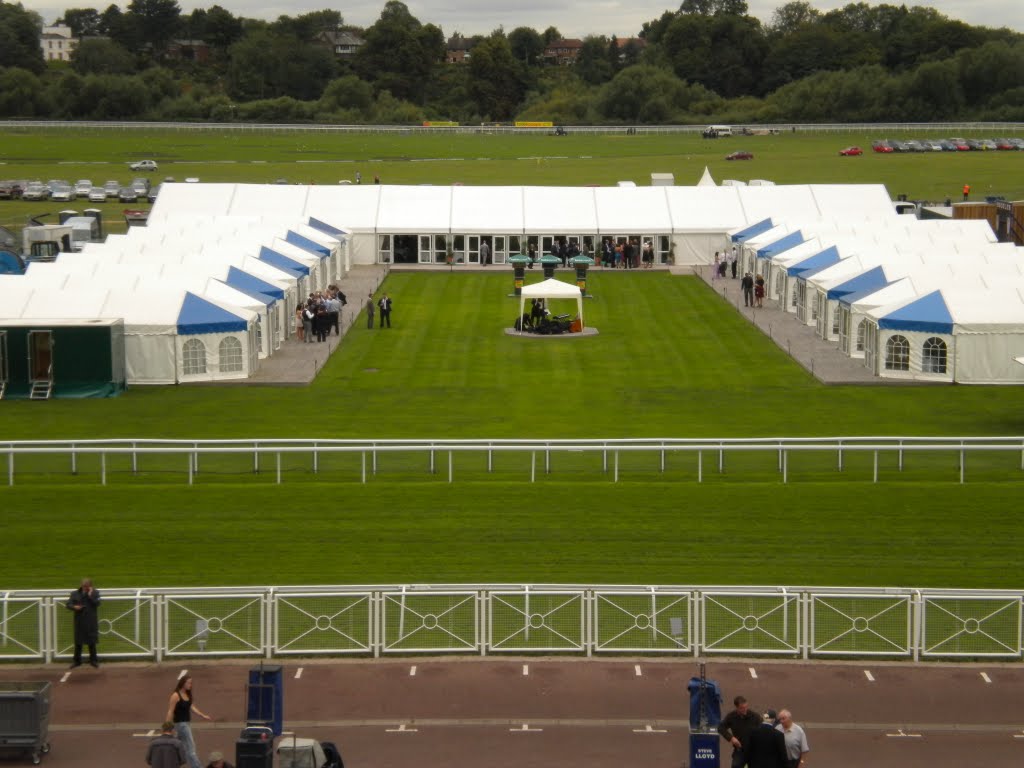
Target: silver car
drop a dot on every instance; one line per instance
(97, 195)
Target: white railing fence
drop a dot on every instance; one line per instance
(859, 458)
(268, 622)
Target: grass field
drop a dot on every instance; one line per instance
(671, 360)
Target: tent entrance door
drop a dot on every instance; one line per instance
(40, 364)
(473, 249)
(426, 255)
(3, 364)
(499, 249)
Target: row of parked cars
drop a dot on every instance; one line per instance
(947, 145)
(58, 190)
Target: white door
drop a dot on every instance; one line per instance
(425, 252)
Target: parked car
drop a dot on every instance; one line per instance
(83, 187)
(740, 156)
(961, 145)
(898, 146)
(882, 147)
(144, 165)
(153, 192)
(63, 193)
(987, 144)
(851, 151)
(97, 195)
(933, 146)
(36, 190)
(914, 146)
(11, 190)
(112, 187)
(127, 195)
(1017, 143)
(141, 187)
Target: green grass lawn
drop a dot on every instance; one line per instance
(671, 360)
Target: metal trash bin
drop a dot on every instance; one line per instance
(25, 719)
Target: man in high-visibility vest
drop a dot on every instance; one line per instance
(967, 191)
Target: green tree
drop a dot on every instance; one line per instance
(793, 16)
(101, 56)
(21, 93)
(594, 63)
(19, 38)
(527, 45)
(725, 53)
(157, 21)
(222, 28)
(496, 82)
(308, 26)
(400, 54)
(84, 22)
(645, 94)
(267, 65)
(549, 36)
(348, 93)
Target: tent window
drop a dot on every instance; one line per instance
(897, 354)
(933, 360)
(231, 359)
(835, 320)
(860, 336)
(193, 354)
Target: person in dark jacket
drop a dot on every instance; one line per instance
(166, 750)
(736, 727)
(763, 746)
(85, 602)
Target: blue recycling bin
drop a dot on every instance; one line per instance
(264, 696)
(704, 750)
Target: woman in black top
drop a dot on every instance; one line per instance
(179, 711)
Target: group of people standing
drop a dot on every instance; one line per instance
(629, 254)
(319, 314)
(725, 261)
(771, 740)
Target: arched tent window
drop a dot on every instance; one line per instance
(231, 358)
(193, 354)
(933, 357)
(861, 325)
(897, 354)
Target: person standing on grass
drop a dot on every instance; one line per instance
(385, 310)
(370, 307)
(796, 740)
(736, 728)
(85, 603)
(179, 712)
(166, 750)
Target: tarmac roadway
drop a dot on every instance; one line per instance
(552, 712)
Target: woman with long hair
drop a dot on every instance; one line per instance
(179, 711)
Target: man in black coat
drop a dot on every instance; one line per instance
(736, 727)
(747, 284)
(765, 747)
(385, 310)
(85, 602)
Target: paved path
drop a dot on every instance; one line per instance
(822, 358)
(297, 363)
(508, 712)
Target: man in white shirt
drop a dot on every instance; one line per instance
(796, 740)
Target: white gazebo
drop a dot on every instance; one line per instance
(553, 289)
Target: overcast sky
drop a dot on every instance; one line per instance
(573, 18)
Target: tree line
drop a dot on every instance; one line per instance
(707, 61)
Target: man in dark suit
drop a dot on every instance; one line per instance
(385, 310)
(764, 748)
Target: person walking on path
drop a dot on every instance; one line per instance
(166, 750)
(385, 310)
(369, 311)
(179, 711)
(747, 284)
(759, 291)
(736, 727)
(764, 746)
(85, 603)
(796, 740)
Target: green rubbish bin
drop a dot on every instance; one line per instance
(519, 264)
(582, 264)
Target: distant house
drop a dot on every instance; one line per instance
(457, 49)
(57, 43)
(197, 51)
(343, 44)
(563, 52)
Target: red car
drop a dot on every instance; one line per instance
(740, 156)
(851, 151)
(881, 146)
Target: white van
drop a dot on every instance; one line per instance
(721, 130)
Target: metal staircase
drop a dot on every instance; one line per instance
(41, 390)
